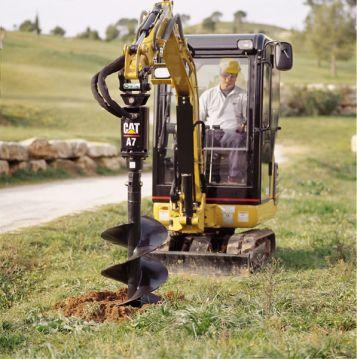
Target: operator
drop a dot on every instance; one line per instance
(225, 106)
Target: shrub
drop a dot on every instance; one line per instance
(304, 101)
(58, 31)
(27, 26)
(111, 33)
(89, 34)
(325, 102)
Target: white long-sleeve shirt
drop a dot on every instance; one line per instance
(229, 112)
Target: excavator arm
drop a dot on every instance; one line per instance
(159, 47)
(160, 44)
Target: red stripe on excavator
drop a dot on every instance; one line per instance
(163, 198)
(216, 199)
(236, 200)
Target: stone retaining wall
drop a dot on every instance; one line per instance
(75, 156)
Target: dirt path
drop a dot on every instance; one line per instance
(24, 206)
(28, 205)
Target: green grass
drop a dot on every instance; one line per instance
(306, 71)
(27, 176)
(301, 306)
(45, 86)
(50, 174)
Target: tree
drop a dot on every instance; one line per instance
(27, 26)
(238, 20)
(58, 31)
(208, 24)
(330, 30)
(89, 34)
(37, 25)
(111, 33)
(216, 16)
(127, 28)
(185, 19)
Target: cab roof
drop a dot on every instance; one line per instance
(207, 42)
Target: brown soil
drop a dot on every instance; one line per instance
(98, 306)
(105, 306)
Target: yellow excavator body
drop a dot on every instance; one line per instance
(200, 203)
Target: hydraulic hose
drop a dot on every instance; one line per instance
(98, 97)
(102, 95)
(170, 26)
(113, 67)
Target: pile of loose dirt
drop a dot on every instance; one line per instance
(98, 306)
(105, 306)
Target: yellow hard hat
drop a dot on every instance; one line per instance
(230, 66)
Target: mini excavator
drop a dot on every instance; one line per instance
(197, 207)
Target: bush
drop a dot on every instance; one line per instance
(302, 101)
(89, 34)
(27, 26)
(111, 33)
(58, 31)
(325, 102)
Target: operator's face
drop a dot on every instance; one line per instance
(227, 81)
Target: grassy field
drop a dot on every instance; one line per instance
(45, 86)
(301, 306)
(50, 174)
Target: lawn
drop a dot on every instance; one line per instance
(50, 174)
(300, 306)
(45, 86)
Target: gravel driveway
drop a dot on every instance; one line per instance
(28, 205)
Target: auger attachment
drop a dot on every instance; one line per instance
(142, 274)
(141, 235)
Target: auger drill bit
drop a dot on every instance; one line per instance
(141, 235)
(142, 274)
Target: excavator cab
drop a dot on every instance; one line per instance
(253, 153)
(250, 197)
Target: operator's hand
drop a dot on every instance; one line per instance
(242, 128)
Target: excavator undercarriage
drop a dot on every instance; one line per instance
(217, 253)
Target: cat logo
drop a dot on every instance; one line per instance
(131, 131)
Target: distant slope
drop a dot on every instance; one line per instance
(45, 85)
(226, 27)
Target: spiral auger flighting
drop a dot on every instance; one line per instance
(142, 235)
(142, 274)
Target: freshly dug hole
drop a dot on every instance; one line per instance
(104, 306)
(98, 306)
